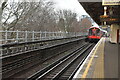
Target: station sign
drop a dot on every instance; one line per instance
(110, 19)
(110, 2)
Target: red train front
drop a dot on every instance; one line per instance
(94, 34)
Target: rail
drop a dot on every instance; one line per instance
(57, 69)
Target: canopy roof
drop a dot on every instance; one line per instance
(95, 10)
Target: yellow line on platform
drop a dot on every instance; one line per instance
(90, 62)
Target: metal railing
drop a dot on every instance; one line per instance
(26, 36)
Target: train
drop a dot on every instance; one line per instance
(95, 34)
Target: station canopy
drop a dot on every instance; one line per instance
(95, 8)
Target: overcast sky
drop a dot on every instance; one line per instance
(73, 5)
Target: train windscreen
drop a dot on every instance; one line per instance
(94, 31)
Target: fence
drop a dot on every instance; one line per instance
(25, 36)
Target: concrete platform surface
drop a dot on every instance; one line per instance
(101, 63)
(111, 60)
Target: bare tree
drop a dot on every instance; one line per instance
(27, 14)
(2, 6)
(85, 24)
(38, 16)
(66, 20)
(14, 13)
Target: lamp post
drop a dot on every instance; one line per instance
(105, 13)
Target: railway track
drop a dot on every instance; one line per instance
(10, 69)
(65, 67)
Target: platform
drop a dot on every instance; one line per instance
(102, 62)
